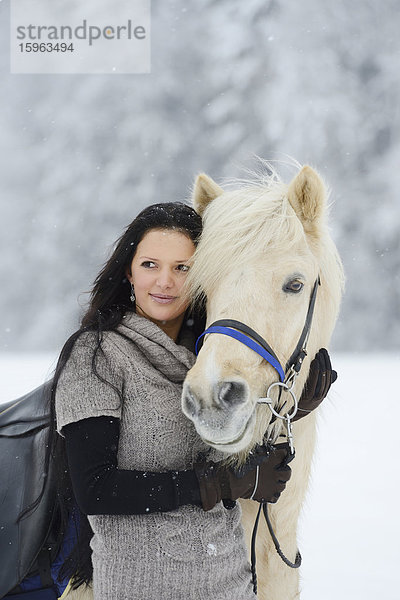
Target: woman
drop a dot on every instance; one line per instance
(160, 529)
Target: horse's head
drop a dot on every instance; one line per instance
(262, 248)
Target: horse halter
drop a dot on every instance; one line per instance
(250, 338)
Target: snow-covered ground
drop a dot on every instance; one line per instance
(350, 526)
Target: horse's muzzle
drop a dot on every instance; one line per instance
(221, 413)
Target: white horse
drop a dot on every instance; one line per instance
(263, 247)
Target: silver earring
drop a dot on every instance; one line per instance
(133, 297)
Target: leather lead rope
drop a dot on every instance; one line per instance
(293, 565)
(298, 558)
(253, 550)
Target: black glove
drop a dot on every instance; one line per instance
(262, 477)
(320, 379)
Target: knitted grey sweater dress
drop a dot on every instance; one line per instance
(185, 554)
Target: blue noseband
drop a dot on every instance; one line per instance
(247, 341)
(250, 338)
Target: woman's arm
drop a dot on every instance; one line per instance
(101, 488)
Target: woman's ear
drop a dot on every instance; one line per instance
(128, 275)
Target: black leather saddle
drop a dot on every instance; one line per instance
(24, 431)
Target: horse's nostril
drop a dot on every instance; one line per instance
(190, 403)
(231, 392)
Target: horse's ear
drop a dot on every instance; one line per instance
(204, 191)
(307, 194)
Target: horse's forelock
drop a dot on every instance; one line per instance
(238, 226)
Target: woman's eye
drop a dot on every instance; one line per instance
(293, 287)
(148, 264)
(183, 268)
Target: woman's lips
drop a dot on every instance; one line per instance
(161, 299)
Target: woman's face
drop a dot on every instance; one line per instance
(158, 272)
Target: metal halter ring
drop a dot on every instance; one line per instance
(268, 400)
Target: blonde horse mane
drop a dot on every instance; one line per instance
(259, 219)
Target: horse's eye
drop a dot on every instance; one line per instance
(293, 287)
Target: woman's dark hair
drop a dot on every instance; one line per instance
(110, 297)
(109, 301)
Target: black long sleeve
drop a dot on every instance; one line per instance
(101, 488)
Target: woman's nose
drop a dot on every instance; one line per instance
(165, 279)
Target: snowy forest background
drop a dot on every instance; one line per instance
(81, 154)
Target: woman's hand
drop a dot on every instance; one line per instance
(262, 477)
(319, 381)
